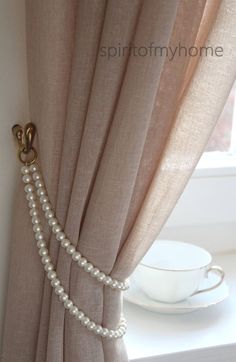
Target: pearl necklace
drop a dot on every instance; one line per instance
(36, 194)
(81, 261)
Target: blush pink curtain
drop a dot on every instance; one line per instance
(118, 139)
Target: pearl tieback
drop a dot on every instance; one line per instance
(35, 191)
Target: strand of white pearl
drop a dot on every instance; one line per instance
(33, 173)
(52, 275)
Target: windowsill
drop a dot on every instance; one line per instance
(216, 164)
(204, 335)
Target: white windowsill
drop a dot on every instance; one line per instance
(216, 164)
(207, 335)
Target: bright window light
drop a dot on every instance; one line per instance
(220, 152)
(223, 137)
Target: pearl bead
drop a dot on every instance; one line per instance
(115, 334)
(82, 262)
(52, 275)
(26, 179)
(95, 272)
(73, 310)
(70, 249)
(114, 284)
(120, 286)
(39, 236)
(39, 183)
(43, 251)
(41, 191)
(110, 334)
(34, 212)
(91, 326)
(101, 276)
(56, 228)
(105, 332)
(60, 236)
(30, 196)
(36, 176)
(98, 329)
(37, 228)
(32, 204)
(46, 206)
(43, 199)
(41, 244)
(55, 282)
(63, 297)
(59, 290)
(33, 168)
(29, 188)
(48, 267)
(68, 304)
(46, 259)
(126, 283)
(52, 221)
(108, 280)
(35, 220)
(119, 333)
(25, 170)
(76, 256)
(88, 267)
(80, 315)
(85, 321)
(65, 243)
(49, 214)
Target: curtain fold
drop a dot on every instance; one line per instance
(118, 139)
(189, 134)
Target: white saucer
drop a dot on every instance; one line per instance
(200, 301)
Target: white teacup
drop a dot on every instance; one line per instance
(172, 271)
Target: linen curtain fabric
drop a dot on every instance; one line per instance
(118, 139)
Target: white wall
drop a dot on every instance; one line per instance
(13, 108)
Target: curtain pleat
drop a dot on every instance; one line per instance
(116, 172)
(189, 135)
(118, 139)
(184, 32)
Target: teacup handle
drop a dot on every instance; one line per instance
(215, 269)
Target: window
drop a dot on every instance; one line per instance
(220, 154)
(206, 211)
(223, 138)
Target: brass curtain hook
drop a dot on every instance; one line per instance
(25, 137)
(29, 132)
(18, 131)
